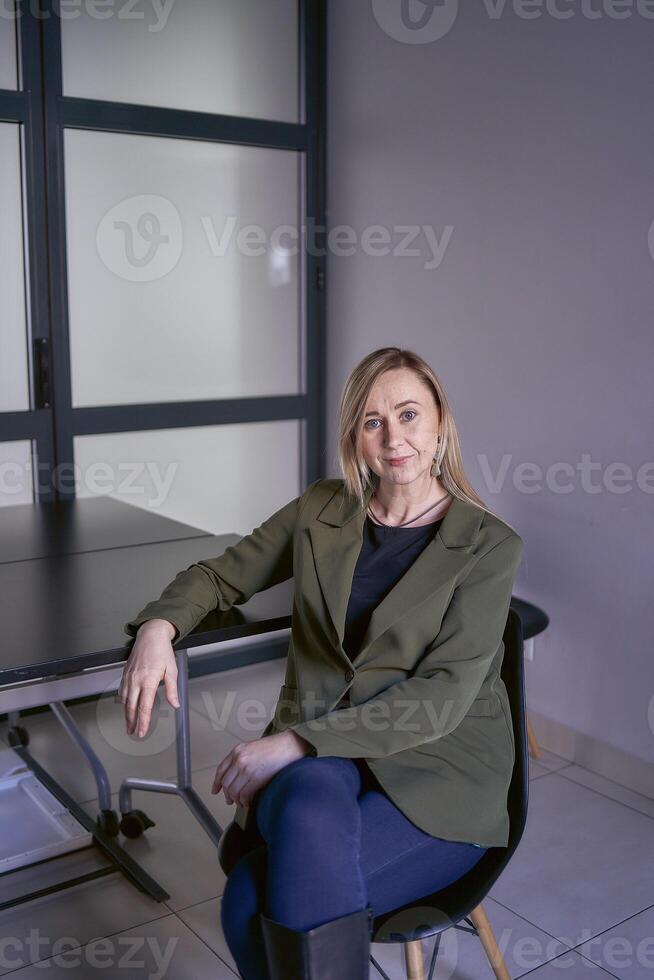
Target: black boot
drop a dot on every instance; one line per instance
(335, 950)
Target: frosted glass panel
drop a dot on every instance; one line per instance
(16, 473)
(171, 296)
(14, 390)
(7, 45)
(228, 56)
(220, 478)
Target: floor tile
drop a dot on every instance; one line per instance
(163, 950)
(83, 912)
(626, 950)
(569, 966)
(549, 761)
(607, 787)
(584, 862)
(204, 920)
(536, 769)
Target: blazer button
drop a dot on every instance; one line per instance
(349, 674)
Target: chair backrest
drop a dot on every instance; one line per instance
(455, 901)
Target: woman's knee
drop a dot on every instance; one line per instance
(306, 789)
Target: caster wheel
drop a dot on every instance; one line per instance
(18, 736)
(135, 823)
(107, 821)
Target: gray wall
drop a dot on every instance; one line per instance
(534, 141)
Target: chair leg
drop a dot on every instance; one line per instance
(414, 960)
(531, 738)
(482, 925)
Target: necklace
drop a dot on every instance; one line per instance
(404, 524)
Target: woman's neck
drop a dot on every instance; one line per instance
(422, 512)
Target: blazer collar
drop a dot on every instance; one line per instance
(336, 537)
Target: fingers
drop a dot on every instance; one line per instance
(243, 794)
(131, 709)
(170, 686)
(229, 776)
(235, 777)
(221, 769)
(145, 701)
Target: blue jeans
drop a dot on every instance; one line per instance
(330, 842)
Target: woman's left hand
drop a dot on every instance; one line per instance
(250, 765)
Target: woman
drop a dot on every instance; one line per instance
(359, 800)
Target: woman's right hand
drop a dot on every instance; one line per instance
(151, 659)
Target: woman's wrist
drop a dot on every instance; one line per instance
(301, 743)
(159, 626)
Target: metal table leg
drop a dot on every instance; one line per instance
(183, 786)
(67, 722)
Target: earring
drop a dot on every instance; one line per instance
(436, 466)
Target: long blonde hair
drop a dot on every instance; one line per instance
(356, 473)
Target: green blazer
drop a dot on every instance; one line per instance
(429, 711)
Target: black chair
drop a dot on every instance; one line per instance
(534, 621)
(460, 901)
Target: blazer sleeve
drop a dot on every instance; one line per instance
(446, 680)
(258, 561)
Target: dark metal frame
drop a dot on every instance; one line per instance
(117, 857)
(45, 112)
(25, 107)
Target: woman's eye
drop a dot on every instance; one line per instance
(409, 411)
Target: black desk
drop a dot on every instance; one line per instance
(71, 574)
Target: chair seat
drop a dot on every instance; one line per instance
(534, 620)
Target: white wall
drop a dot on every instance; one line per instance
(533, 140)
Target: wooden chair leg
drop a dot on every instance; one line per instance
(414, 960)
(531, 738)
(488, 941)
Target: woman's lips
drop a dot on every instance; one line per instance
(398, 461)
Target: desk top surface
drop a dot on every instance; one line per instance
(64, 612)
(67, 527)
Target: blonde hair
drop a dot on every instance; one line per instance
(356, 473)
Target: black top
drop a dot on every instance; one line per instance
(386, 553)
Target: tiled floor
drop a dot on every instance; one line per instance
(578, 895)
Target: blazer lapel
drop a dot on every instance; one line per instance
(336, 537)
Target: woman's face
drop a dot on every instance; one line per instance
(401, 419)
